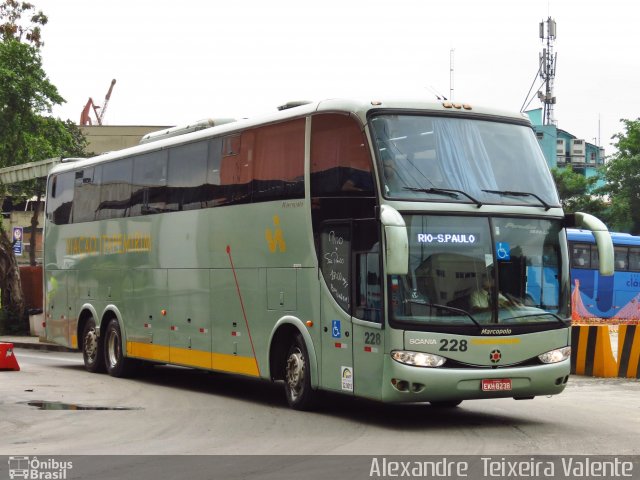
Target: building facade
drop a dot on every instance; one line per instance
(561, 149)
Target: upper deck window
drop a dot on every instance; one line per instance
(115, 191)
(340, 159)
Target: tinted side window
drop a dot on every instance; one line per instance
(634, 259)
(235, 169)
(149, 188)
(60, 198)
(595, 259)
(340, 157)
(335, 261)
(216, 194)
(115, 192)
(187, 177)
(621, 261)
(580, 255)
(366, 252)
(278, 167)
(87, 194)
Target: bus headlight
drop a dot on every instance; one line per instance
(555, 356)
(418, 359)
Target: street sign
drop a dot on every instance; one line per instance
(17, 240)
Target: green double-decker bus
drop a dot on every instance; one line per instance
(392, 250)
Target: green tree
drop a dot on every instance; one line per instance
(577, 192)
(56, 139)
(14, 27)
(622, 178)
(27, 131)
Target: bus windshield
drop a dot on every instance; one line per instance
(482, 271)
(461, 160)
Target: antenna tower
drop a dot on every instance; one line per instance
(548, 70)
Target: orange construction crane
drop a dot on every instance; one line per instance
(98, 110)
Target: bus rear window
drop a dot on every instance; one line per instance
(60, 198)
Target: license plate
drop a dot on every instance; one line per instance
(496, 384)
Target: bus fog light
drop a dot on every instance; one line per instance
(555, 356)
(400, 385)
(418, 359)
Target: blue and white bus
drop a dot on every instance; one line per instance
(615, 297)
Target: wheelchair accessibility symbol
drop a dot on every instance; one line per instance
(335, 329)
(503, 251)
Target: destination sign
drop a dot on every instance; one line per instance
(447, 238)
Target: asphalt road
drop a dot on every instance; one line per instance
(169, 410)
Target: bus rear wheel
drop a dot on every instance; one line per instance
(116, 363)
(297, 380)
(92, 348)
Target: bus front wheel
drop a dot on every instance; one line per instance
(92, 347)
(297, 381)
(116, 363)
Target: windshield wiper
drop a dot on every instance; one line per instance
(520, 194)
(450, 192)
(543, 314)
(455, 310)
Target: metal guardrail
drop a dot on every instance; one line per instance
(27, 171)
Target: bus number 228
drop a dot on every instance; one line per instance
(453, 345)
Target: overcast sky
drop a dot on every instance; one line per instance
(180, 61)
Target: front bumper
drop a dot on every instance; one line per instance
(443, 384)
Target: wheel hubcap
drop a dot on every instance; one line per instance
(113, 348)
(91, 345)
(295, 373)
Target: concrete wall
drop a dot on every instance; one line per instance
(107, 138)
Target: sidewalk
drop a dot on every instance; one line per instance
(33, 343)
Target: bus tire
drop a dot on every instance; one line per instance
(92, 348)
(116, 363)
(297, 379)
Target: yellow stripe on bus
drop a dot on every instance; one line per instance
(495, 341)
(194, 358)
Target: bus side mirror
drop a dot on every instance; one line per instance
(600, 233)
(396, 241)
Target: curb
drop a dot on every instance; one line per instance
(39, 346)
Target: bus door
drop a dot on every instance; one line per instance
(368, 332)
(335, 307)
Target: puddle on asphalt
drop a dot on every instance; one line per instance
(44, 405)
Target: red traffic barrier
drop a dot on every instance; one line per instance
(8, 360)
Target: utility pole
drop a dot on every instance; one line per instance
(451, 73)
